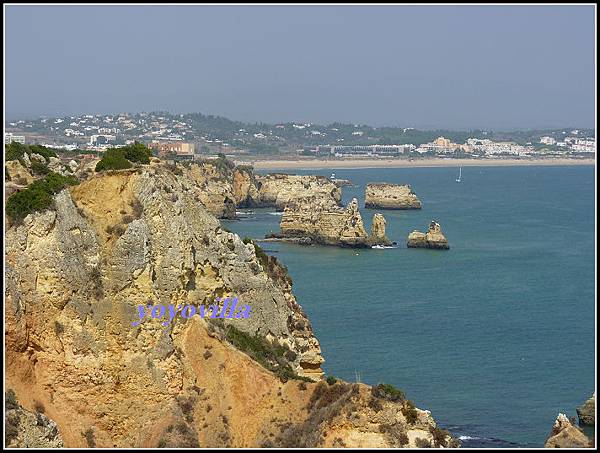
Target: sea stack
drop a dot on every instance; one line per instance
(391, 196)
(378, 236)
(433, 239)
(566, 435)
(587, 412)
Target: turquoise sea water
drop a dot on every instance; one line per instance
(496, 335)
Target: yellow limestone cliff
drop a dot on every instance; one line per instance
(74, 277)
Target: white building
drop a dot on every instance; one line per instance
(9, 137)
(547, 140)
(99, 139)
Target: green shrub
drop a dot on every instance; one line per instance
(270, 356)
(37, 196)
(15, 151)
(330, 380)
(388, 392)
(137, 152)
(113, 159)
(38, 168)
(47, 153)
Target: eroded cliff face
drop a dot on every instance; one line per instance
(391, 196)
(75, 275)
(321, 221)
(214, 188)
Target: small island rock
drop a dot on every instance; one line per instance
(433, 239)
(391, 196)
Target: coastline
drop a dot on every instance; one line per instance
(298, 164)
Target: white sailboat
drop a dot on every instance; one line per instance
(459, 174)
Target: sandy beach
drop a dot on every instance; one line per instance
(298, 164)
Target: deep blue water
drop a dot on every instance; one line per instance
(496, 335)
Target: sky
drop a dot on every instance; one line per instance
(461, 67)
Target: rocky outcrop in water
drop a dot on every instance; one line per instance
(280, 190)
(433, 239)
(390, 196)
(566, 435)
(378, 236)
(321, 221)
(587, 411)
(75, 275)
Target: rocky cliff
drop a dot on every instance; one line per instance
(391, 196)
(587, 411)
(566, 435)
(19, 173)
(222, 186)
(433, 239)
(214, 187)
(321, 221)
(74, 277)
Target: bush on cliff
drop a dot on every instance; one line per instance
(16, 151)
(39, 169)
(410, 412)
(121, 158)
(271, 356)
(113, 159)
(137, 152)
(37, 196)
(388, 392)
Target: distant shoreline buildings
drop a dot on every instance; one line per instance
(182, 136)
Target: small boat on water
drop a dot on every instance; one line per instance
(459, 174)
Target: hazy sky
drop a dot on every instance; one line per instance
(421, 66)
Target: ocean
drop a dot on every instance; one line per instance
(494, 336)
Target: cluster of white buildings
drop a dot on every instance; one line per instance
(444, 146)
(477, 146)
(578, 144)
